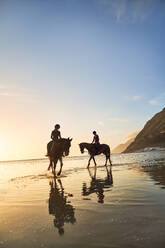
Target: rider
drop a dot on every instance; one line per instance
(55, 136)
(96, 141)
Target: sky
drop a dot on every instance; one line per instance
(85, 64)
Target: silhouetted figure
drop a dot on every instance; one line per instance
(98, 185)
(96, 141)
(59, 207)
(55, 136)
(57, 148)
(105, 149)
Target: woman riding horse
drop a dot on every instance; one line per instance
(105, 149)
(96, 141)
(57, 148)
(55, 136)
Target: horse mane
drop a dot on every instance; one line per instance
(84, 143)
(63, 139)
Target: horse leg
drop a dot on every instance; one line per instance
(94, 161)
(54, 167)
(50, 164)
(89, 161)
(106, 161)
(53, 171)
(61, 163)
(110, 161)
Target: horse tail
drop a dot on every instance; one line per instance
(108, 152)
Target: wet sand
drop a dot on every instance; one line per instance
(84, 208)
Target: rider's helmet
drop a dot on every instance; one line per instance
(94, 132)
(57, 126)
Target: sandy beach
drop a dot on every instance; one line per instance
(84, 208)
(80, 78)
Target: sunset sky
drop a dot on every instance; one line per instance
(85, 64)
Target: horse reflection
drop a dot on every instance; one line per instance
(59, 206)
(98, 185)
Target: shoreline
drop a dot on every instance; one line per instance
(84, 207)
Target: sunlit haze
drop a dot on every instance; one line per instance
(87, 65)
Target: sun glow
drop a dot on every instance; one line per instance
(3, 147)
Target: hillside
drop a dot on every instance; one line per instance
(152, 135)
(130, 138)
(120, 148)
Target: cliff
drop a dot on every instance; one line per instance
(120, 148)
(152, 135)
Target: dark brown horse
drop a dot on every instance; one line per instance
(58, 150)
(105, 149)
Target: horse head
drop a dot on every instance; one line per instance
(81, 147)
(67, 146)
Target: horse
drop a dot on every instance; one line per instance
(105, 149)
(58, 150)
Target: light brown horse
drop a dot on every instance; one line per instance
(57, 152)
(105, 149)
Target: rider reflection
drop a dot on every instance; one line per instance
(62, 210)
(98, 185)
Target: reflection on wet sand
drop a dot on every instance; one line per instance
(157, 172)
(97, 185)
(59, 206)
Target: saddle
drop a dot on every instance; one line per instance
(97, 149)
(51, 146)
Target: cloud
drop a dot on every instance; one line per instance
(17, 94)
(8, 94)
(100, 123)
(126, 10)
(121, 120)
(153, 102)
(136, 98)
(159, 100)
(2, 86)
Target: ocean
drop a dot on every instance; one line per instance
(122, 206)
